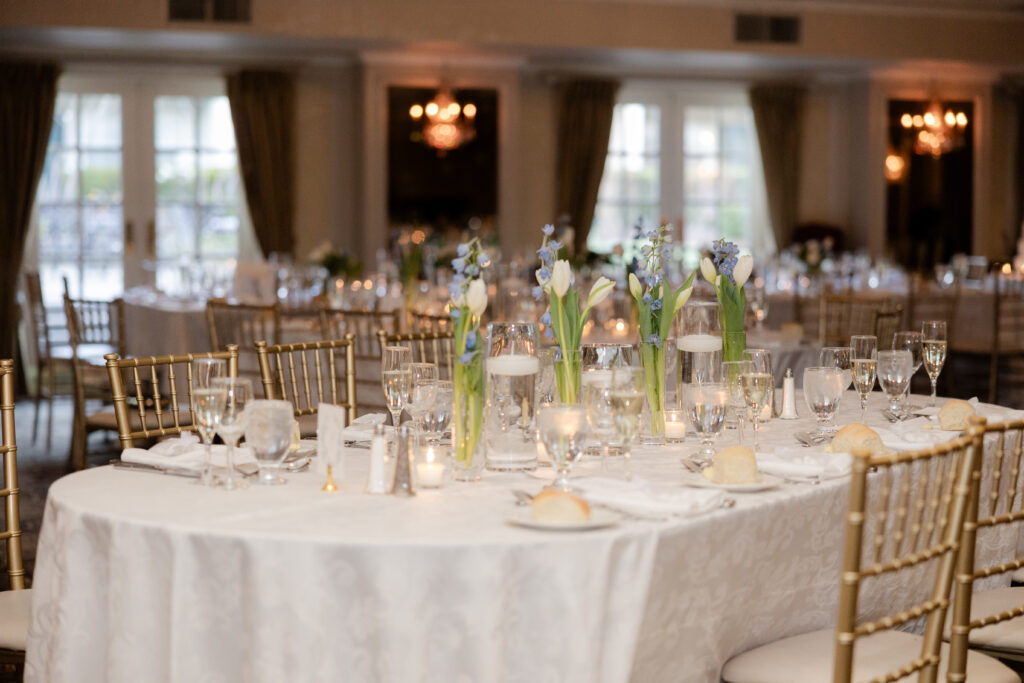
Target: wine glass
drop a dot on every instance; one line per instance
(268, 431)
(895, 369)
(421, 390)
(207, 406)
(823, 387)
(838, 357)
(759, 305)
(436, 418)
(732, 371)
(627, 400)
(864, 361)
(562, 428)
(933, 340)
(237, 394)
(705, 408)
(395, 379)
(910, 341)
(597, 400)
(757, 387)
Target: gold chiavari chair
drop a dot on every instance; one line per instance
(152, 395)
(990, 621)
(52, 352)
(16, 603)
(242, 325)
(427, 323)
(844, 315)
(903, 524)
(335, 324)
(426, 348)
(885, 325)
(308, 374)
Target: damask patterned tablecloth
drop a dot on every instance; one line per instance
(146, 577)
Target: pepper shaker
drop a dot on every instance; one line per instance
(789, 396)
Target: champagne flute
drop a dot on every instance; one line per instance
(238, 393)
(600, 416)
(910, 341)
(864, 361)
(562, 428)
(268, 431)
(422, 389)
(705, 408)
(733, 370)
(933, 339)
(207, 406)
(823, 388)
(895, 369)
(756, 389)
(395, 379)
(627, 401)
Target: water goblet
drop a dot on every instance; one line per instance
(600, 416)
(627, 400)
(910, 341)
(268, 431)
(757, 387)
(562, 428)
(237, 394)
(759, 305)
(438, 416)
(864, 362)
(933, 341)
(705, 408)
(732, 371)
(895, 369)
(395, 379)
(761, 361)
(823, 388)
(207, 406)
(838, 357)
(421, 391)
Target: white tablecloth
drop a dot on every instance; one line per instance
(145, 577)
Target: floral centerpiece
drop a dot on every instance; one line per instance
(563, 319)
(657, 306)
(728, 272)
(336, 263)
(468, 303)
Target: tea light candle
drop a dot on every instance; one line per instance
(675, 426)
(430, 472)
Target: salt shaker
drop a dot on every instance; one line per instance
(402, 485)
(376, 480)
(788, 396)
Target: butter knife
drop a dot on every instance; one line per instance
(141, 467)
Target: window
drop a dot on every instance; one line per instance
(690, 157)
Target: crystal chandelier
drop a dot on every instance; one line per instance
(446, 123)
(938, 130)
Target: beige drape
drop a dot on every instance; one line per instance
(778, 116)
(27, 96)
(263, 112)
(584, 125)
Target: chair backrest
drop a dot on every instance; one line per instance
(11, 533)
(844, 315)
(904, 519)
(37, 316)
(425, 323)
(885, 324)
(95, 322)
(310, 373)
(437, 348)
(364, 325)
(996, 500)
(926, 302)
(241, 324)
(149, 392)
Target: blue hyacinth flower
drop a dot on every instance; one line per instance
(548, 230)
(655, 339)
(466, 357)
(463, 250)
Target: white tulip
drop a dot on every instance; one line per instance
(707, 269)
(561, 277)
(681, 300)
(741, 272)
(476, 297)
(600, 291)
(634, 287)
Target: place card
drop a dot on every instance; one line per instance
(330, 443)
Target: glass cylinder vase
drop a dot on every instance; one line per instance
(467, 420)
(567, 375)
(733, 345)
(653, 361)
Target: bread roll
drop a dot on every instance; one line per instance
(856, 435)
(956, 415)
(733, 465)
(552, 505)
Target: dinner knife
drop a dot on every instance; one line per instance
(141, 467)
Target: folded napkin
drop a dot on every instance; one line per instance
(914, 434)
(995, 413)
(362, 427)
(803, 463)
(184, 453)
(640, 498)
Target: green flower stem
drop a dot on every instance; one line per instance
(653, 360)
(733, 344)
(467, 390)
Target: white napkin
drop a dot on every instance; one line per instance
(361, 428)
(995, 413)
(184, 453)
(914, 434)
(641, 499)
(804, 463)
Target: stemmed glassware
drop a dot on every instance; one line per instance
(732, 372)
(627, 400)
(705, 409)
(895, 369)
(823, 388)
(864, 361)
(910, 341)
(395, 379)
(562, 428)
(268, 431)
(237, 394)
(436, 418)
(838, 357)
(421, 391)
(759, 305)
(207, 406)
(600, 416)
(933, 340)
(756, 389)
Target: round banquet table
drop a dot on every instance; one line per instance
(148, 577)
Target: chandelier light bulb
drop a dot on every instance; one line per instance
(918, 121)
(416, 111)
(470, 111)
(454, 109)
(432, 109)
(907, 121)
(961, 119)
(950, 118)
(930, 119)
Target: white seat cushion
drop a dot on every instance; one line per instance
(1006, 635)
(808, 658)
(15, 608)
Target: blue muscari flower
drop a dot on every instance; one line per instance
(458, 279)
(545, 254)
(548, 333)
(454, 290)
(655, 339)
(483, 260)
(538, 292)
(472, 270)
(656, 306)
(466, 357)
(470, 339)
(463, 250)
(546, 318)
(548, 230)
(544, 273)
(458, 264)
(652, 234)
(652, 280)
(455, 314)
(647, 299)
(554, 245)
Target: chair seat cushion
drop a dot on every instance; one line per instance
(15, 609)
(1006, 635)
(807, 658)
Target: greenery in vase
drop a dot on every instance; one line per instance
(468, 303)
(727, 272)
(563, 320)
(657, 306)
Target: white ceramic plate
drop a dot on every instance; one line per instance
(599, 519)
(698, 481)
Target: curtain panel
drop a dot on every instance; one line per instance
(584, 125)
(263, 113)
(28, 93)
(778, 116)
